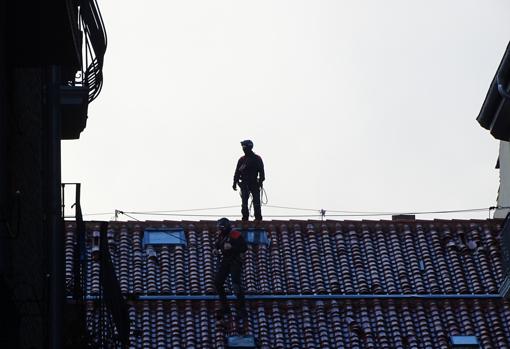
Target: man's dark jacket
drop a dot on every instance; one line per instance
(248, 167)
(235, 239)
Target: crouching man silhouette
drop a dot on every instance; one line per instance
(231, 246)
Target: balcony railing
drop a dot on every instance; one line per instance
(83, 85)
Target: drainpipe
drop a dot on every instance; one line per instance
(53, 207)
(4, 251)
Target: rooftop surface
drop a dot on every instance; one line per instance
(383, 284)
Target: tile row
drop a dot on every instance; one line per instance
(395, 324)
(381, 258)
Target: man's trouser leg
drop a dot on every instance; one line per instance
(219, 282)
(255, 191)
(236, 285)
(245, 195)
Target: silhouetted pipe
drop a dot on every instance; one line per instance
(4, 251)
(53, 213)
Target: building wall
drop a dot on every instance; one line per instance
(33, 38)
(8, 324)
(504, 180)
(25, 240)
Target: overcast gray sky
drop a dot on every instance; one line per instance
(353, 105)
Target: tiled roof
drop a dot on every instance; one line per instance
(349, 258)
(324, 324)
(368, 258)
(327, 324)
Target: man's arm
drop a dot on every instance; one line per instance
(217, 244)
(262, 175)
(237, 174)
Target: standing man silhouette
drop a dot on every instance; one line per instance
(249, 174)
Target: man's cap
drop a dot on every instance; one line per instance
(247, 143)
(224, 224)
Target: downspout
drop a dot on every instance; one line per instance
(53, 209)
(4, 205)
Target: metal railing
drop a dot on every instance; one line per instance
(90, 41)
(78, 282)
(113, 325)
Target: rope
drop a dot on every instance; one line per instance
(250, 211)
(262, 194)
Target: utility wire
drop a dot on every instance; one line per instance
(183, 210)
(293, 208)
(96, 214)
(411, 213)
(320, 213)
(374, 213)
(124, 213)
(176, 214)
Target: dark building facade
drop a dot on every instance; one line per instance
(40, 55)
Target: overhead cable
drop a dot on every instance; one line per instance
(319, 212)
(183, 210)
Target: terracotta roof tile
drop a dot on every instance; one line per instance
(323, 324)
(349, 259)
(423, 257)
